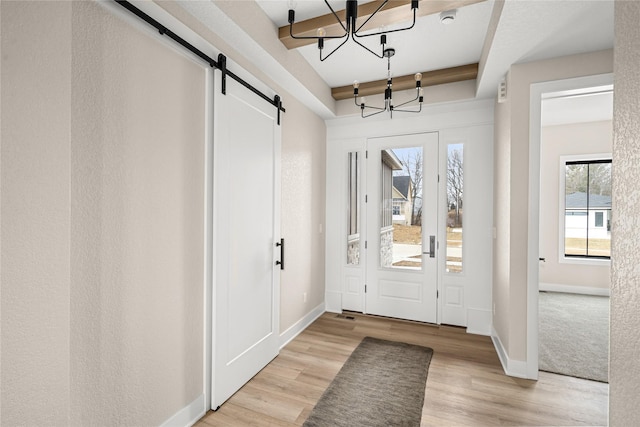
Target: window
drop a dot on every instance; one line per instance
(455, 187)
(599, 219)
(353, 211)
(386, 195)
(401, 208)
(587, 209)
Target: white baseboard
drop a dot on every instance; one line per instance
(513, 368)
(479, 321)
(333, 301)
(301, 325)
(188, 415)
(571, 289)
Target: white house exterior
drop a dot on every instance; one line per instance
(593, 218)
(402, 200)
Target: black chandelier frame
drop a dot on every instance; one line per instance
(388, 94)
(350, 28)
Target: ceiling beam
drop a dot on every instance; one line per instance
(429, 78)
(394, 12)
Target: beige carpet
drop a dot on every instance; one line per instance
(574, 335)
(381, 384)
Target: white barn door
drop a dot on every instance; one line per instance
(246, 227)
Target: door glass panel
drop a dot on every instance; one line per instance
(455, 187)
(353, 209)
(401, 208)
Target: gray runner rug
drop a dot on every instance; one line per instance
(381, 384)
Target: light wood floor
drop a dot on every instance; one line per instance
(466, 384)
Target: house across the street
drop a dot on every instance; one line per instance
(590, 217)
(402, 200)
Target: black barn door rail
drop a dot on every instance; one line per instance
(220, 64)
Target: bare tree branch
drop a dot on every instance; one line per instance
(455, 183)
(412, 166)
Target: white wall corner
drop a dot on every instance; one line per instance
(479, 321)
(302, 324)
(513, 368)
(188, 415)
(333, 300)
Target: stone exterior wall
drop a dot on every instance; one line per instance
(353, 249)
(386, 247)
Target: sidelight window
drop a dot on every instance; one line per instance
(455, 207)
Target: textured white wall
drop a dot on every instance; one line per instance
(624, 365)
(102, 220)
(137, 206)
(1, 215)
(303, 206)
(35, 223)
(556, 141)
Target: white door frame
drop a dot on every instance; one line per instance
(469, 122)
(533, 234)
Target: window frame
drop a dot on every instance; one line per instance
(447, 270)
(353, 203)
(575, 259)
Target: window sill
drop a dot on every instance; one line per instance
(585, 261)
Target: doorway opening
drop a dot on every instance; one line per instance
(572, 146)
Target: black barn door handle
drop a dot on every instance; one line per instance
(281, 262)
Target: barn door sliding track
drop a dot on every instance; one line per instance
(220, 64)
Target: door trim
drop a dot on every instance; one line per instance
(533, 228)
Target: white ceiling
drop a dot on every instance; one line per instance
(526, 30)
(494, 33)
(428, 46)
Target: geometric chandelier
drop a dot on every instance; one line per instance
(350, 28)
(388, 94)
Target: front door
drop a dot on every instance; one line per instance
(401, 218)
(245, 232)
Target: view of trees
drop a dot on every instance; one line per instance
(412, 166)
(592, 178)
(455, 184)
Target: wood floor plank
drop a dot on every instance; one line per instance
(466, 385)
